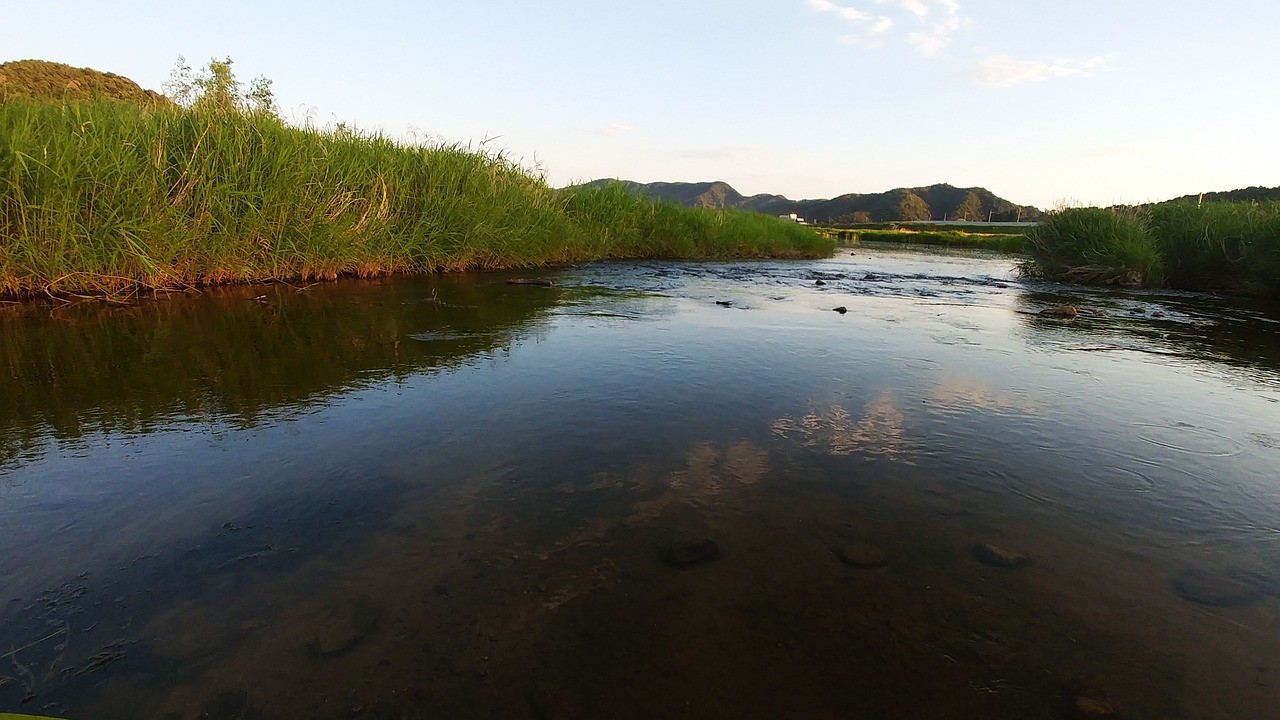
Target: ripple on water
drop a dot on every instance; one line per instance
(1189, 439)
(1123, 479)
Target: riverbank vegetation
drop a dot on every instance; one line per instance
(1231, 247)
(105, 198)
(1008, 239)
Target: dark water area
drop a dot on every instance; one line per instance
(650, 490)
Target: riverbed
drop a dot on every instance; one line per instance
(645, 490)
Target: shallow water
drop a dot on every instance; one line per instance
(453, 497)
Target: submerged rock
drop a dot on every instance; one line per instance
(997, 556)
(550, 703)
(688, 554)
(860, 555)
(348, 625)
(536, 282)
(1225, 589)
(1084, 703)
(1065, 312)
(842, 309)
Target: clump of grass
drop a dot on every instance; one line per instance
(1230, 246)
(105, 198)
(1095, 246)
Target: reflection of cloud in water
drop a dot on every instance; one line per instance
(959, 392)
(707, 475)
(878, 432)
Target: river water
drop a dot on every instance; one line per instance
(454, 497)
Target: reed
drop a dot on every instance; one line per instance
(1095, 246)
(107, 199)
(1218, 247)
(1227, 246)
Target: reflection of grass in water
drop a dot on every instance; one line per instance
(1231, 332)
(93, 368)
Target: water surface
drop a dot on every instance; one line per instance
(453, 497)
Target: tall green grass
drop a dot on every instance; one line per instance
(107, 198)
(1095, 246)
(1229, 247)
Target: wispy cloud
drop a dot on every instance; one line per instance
(919, 8)
(931, 27)
(1004, 71)
(935, 38)
(866, 24)
(937, 21)
(610, 130)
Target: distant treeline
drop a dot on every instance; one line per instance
(933, 202)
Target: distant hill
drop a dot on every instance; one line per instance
(935, 202)
(56, 81)
(1249, 194)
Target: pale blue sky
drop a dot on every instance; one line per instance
(1089, 101)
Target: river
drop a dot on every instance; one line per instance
(649, 490)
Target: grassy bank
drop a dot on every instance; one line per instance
(106, 198)
(1227, 247)
(1011, 242)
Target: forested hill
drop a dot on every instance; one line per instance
(935, 202)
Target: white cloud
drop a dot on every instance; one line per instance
(1004, 71)
(882, 24)
(938, 20)
(938, 35)
(916, 7)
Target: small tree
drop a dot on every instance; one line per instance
(216, 87)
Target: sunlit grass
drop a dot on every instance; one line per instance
(107, 198)
(1229, 247)
(1095, 246)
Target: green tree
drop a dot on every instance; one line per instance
(912, 207)
(852, 218)
(970, 208)
(216, 87)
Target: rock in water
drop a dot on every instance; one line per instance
(842, 309)
(550, 703)
(996, 556)
(347, 626)
(536, 282)
(1084, 703)
(688, 554)
(1062, 311)
(1226, 589)
(725, 303)
(819, 282)
(860, 555)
